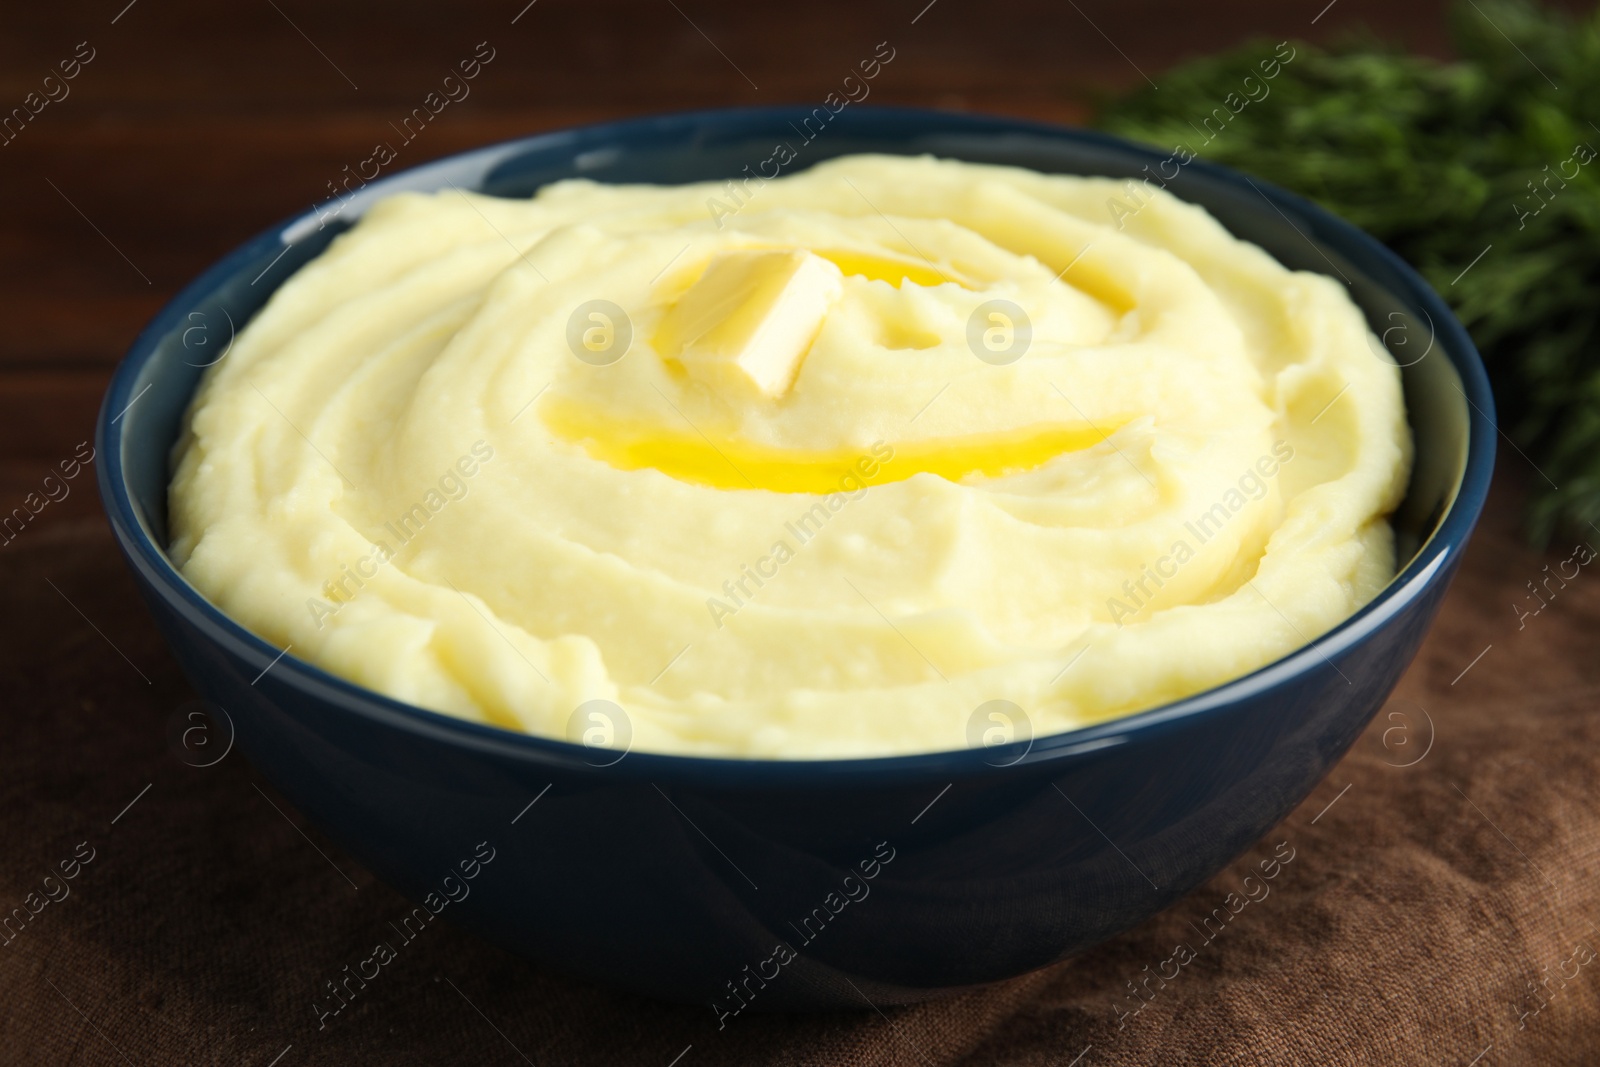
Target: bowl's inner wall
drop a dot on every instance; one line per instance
(687, 148)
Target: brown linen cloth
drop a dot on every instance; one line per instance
(1440, 906)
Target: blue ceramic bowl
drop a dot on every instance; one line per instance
(807, 884)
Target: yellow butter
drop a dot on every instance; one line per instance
(730, 464)
(751, 317)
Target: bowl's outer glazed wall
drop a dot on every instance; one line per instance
(672, 875)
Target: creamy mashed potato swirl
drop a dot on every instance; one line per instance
(440, 464)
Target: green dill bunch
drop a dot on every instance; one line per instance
(1488, 163)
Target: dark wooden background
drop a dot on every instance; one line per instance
(1406, 935)
(197, 125)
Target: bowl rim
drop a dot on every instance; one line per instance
(1436, 556)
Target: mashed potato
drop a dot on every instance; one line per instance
(824, 466)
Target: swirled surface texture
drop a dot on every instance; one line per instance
(822, 466)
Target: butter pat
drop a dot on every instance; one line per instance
(751, 318)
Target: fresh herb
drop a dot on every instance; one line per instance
(1441, 161)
